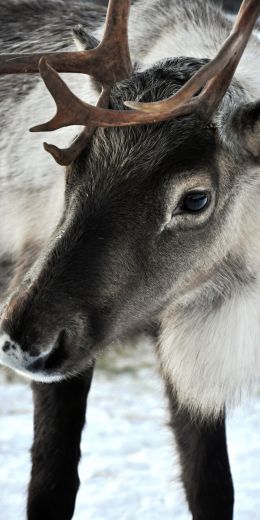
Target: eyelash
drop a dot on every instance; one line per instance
(195, 202)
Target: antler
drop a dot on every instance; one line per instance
(217, 74)
(110, 62)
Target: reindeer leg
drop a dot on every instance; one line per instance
(58, 421)
(204, 462)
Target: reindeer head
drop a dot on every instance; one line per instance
(154, 197)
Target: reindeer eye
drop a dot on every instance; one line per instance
(195, 201)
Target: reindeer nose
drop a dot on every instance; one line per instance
(31, 364)
(12, 355)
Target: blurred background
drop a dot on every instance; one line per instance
(129, 468)
(230, 5)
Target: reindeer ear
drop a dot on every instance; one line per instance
(245, 124)
(84, 39)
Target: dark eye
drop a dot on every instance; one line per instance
(195, 202)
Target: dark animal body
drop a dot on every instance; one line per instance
(154, 230)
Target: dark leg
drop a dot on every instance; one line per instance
(58, 421)
(204, 462)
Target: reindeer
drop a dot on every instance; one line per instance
(154, 228)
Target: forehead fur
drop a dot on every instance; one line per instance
(185, 141)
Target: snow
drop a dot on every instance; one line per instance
(129, 469)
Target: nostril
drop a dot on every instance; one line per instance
(6, 346)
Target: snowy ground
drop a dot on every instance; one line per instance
(129, 470)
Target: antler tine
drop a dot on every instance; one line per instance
(242, 30)
(218, 73)
(68, 105)
(107, 63)
(66, 156)
(115, 44)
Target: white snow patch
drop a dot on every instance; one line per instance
(129, 468)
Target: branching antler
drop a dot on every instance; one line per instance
(110, 62)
